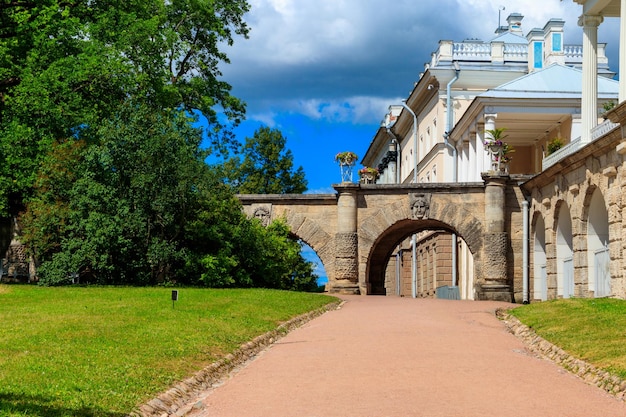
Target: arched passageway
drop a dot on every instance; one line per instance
(413, 258)
(564, 253)
(540, 277)
(598, 247)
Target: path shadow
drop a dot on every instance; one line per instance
(38, 405)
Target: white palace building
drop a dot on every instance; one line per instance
(562, 112)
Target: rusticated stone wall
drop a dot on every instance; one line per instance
(600, 166)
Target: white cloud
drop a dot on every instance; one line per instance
(359, 109)
(290, 32)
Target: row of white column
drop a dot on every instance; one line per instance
(473, 157)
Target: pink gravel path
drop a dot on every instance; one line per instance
(389, 356)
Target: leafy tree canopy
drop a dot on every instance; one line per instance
(265, 167)
(97, 145)
(67, 64)
(140, 206)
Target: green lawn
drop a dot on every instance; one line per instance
(100, 351)
(593, 330)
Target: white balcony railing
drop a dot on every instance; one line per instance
(596, 133)
(602, 129)
(470, 51)
(566, 150)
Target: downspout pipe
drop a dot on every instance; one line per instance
(450, 121)
(455, 174)
(525, 252)
(414, 266)
(398, 271)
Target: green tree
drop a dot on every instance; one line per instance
(266, 166)
(117, 211)
(140, 206)
(96, 136)
(66, 65)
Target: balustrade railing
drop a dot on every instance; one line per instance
(566, 150)
(602, 129)
(516, 52)
(596, 133)
(480, 51)
(471, 50)
(573, 52)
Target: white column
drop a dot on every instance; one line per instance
(589, 107)
(622, 52)
(460, 161)
(466, 171)
(474, 174)
(481, 154)
(490, 124)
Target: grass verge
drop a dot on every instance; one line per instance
(593, 330)
(101, 351)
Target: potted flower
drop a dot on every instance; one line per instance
(346, 158)
(368, 175)
(496, 140)
(346, 161)
(553, 146)
(499, 149)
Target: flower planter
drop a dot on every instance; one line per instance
(368, 177)
(346, 171)
(496, 149)
(346, 161)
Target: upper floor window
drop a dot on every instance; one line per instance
(557, 42)
(538, 55)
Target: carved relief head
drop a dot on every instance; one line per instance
(420, 205)
(263, 214)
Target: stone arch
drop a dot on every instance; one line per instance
(381, 232)
(311, 233)
(540, 278)
(564, 250)
(597, 243)
(456, 219)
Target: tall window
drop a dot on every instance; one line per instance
(538, 55)
(557, 42)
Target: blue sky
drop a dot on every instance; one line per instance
(324, 72)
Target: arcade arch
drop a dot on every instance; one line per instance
(564, 253)
(396, 266)
(540, 277)
(599, 277)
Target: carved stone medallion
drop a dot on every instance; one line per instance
(420, 205)
(263, 214)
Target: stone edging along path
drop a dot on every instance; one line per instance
(172, 400)
(587, 372)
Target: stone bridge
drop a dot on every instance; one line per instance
(355, 231)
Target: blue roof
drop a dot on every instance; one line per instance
(553, 81)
